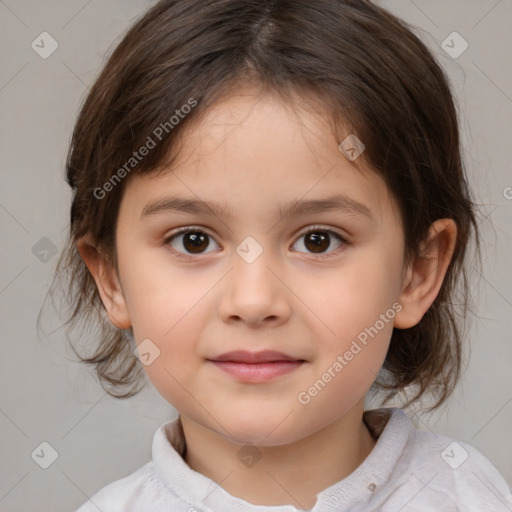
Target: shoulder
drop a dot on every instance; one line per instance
(450, 474)
(121, 495)
(156, 486)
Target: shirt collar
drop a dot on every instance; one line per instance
(390, 426)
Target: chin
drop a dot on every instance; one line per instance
(261, 429)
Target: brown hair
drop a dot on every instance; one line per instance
(375, 78)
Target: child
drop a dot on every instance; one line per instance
(270, 207)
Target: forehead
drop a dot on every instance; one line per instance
(252, 149)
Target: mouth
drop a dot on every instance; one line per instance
(256, 366)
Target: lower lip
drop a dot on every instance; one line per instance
(257, 372)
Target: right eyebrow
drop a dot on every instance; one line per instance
(186, 205)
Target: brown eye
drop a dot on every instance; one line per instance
(190, 241)
(318, 241)
(195, 242)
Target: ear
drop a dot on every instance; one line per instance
(107, 282)
(426, 273)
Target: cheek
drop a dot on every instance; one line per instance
(173, 321)
(353, 298)
(354, 311)
(169, 309)
(349, 362)
(161, 296)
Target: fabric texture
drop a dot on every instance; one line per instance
(408, 470)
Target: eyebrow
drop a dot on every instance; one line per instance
(296, 207)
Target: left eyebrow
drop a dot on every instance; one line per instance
(296, 207)
(335, 203)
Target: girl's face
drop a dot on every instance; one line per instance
(250, 278)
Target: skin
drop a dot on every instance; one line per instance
(254, 153)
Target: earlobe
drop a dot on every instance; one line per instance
(426, 273)
(107, 282)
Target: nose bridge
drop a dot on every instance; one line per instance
(252, 262)
(253, 290)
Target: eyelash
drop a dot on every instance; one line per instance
(312, 229)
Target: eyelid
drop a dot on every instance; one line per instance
(186, 229)
(322, 227)
(327, 229)
(309, 229)
(303, 231)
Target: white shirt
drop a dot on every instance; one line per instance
(408, 470)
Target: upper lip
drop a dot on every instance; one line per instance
(243, 356)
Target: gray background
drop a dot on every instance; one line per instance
(46, 396)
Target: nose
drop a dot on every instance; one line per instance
(255, 293)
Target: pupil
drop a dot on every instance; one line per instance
(318, 240)
(196, 239)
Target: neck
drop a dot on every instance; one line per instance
(280, 475)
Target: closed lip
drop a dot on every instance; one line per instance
(244, 356)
